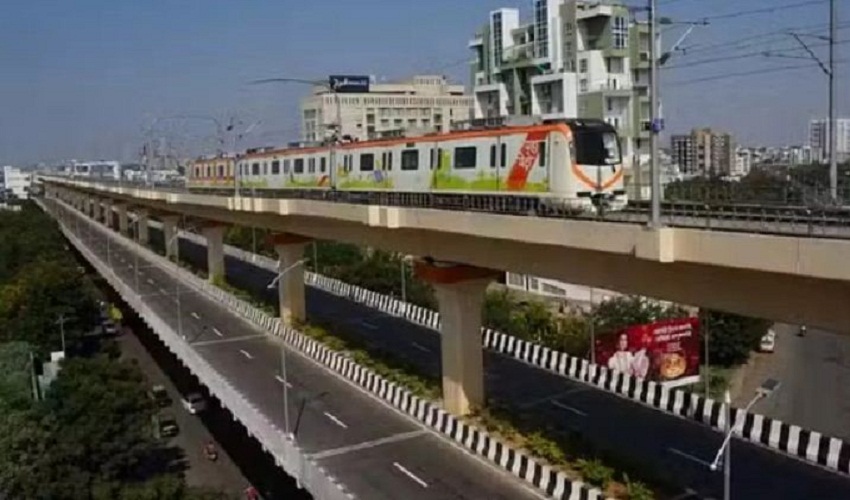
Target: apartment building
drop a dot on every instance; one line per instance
(426, 102)
(819, 139)
(704, 152)
(575, 58)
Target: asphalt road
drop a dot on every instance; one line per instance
(221, 475)
(673, 448)
(815, 373)
(374, 450)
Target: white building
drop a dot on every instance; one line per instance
(743, 162)
(425, 102)
(819, 139)
(576, 58)
(17, 182)
(576, 295)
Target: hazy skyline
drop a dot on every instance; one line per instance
(83, 79)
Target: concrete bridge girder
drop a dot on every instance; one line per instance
(790, 279)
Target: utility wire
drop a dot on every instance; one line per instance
(764, 10)
(762, 71)
(735, 44)
(764, 53)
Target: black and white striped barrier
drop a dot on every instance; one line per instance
(829, 452)
(554, 483)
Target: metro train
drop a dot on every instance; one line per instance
(95, 169)
(565, 162)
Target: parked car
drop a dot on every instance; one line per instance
(194, 403)
(768, 342)
(160, 396)
(165, 426)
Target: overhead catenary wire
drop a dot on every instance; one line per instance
(765, 37)
(757, 53)
(723, 76)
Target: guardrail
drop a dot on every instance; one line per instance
(286, 453)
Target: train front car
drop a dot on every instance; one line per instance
(595, 165)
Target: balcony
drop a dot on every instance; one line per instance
(477, 41)
(518, 54)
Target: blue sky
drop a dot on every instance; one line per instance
(83, 78)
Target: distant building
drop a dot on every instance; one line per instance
(425, 102)
(573, 59)
(819, 139)
(16, 182)
(743, 162)
(704, 152)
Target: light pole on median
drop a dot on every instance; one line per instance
(271, 286)
(724, 454)
(404, 261)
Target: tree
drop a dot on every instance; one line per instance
(103, 409)
(15, 376)
(619, 312)
(731, 337)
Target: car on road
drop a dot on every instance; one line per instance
(164, 426)
(194, 403)
(110, 328)
(160, 396)
(768, 342)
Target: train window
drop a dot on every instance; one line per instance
(465, 157)
(221, 170)
(541, 157)
(431, 162)
(493, 156)
(389, 160)
(209, 173)
(311, 165)
(286, 166)
(410, 159)
(276, 167)
(367, 162)
(255, 169)
(322, 164)
(298, 168)
(265, 168)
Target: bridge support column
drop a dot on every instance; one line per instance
(215, 251)
(169, 235)
(143, 217)
(123, 220)
(290, 280)
(460, 295)
(107, 212)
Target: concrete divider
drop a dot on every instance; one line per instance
(552, 482)
(811, 446)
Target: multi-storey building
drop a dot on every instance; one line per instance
(576, 58)
(819, 139)
(423, 103)
(16, 182)
(704, 152)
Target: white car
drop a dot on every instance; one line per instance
(194, 403)
(768, 342)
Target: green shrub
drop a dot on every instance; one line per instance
(595, 472)
(637, 490)
(543, 447)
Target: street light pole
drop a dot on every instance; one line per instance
(654, 123)
(832, 129)
(403, 282)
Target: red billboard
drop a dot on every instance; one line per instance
(663, 351)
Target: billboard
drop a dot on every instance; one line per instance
(349, 83)
(664, 351)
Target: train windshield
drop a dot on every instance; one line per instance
(597, 147)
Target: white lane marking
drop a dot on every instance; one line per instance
(246, 354)
(336, 420)
(195, 315)
(150, 281)
(688, 456)
(569, 408)
(368, 444)
(368, 325)
(231, 339)
(410, 474)
(217, 332)
(280, 379)
(420, 347)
